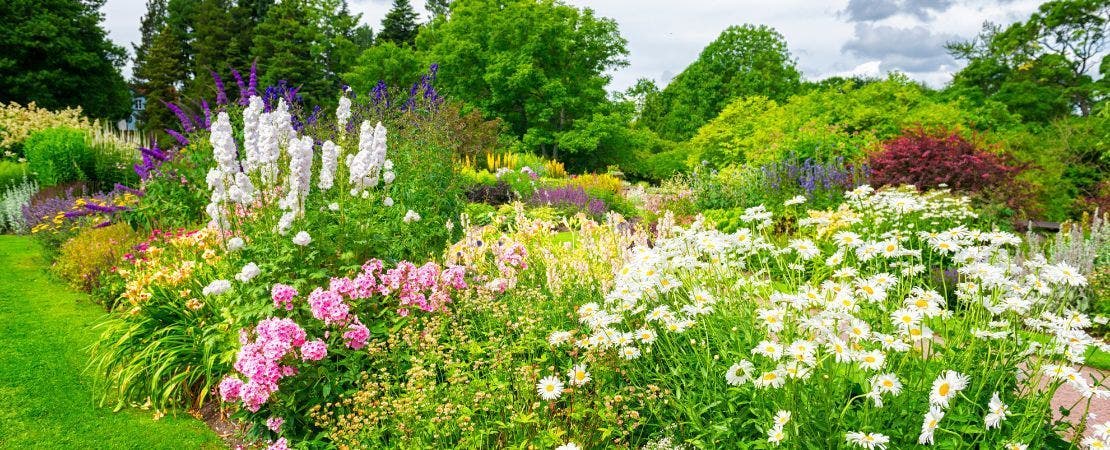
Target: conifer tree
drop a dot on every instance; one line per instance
(399, 25)
(57, 54)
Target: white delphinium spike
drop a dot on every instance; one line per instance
(360, 165)
(299, 178)
(343, 114)
(268, 148)
(223, 145)
(252, 117)
(245, 188)
(329, 162)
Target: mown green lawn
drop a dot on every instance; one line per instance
(47, 400)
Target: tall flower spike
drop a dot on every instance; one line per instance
(252, 87)
(186, 123)
(221, 92)
(243, 97)
(329, 161)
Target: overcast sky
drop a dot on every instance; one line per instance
(826, 37)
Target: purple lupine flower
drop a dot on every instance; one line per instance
(154, 153)
(180, 138)
(252, 88)
(186, 123)
(221, 92)
(380, 93)
(207, 114)
(243, 99)
(568, 196)
(314, 116)
(129, 190)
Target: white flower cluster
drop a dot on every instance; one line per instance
(366, 165)
(848, 310)
(226, 181)
(269, 141)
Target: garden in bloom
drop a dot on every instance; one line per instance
(275, 263)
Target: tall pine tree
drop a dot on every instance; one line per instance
(213, 46)
(399, 25)
(56, 53)
(287, 45)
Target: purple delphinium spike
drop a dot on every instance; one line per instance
(380, 92)
(314, 116)
(207, 114)
(103, 224)
(154, 153)
(186, 122)
(129, 190)
(243, 99)
(252, 88)
(180, 138)
(221, 93)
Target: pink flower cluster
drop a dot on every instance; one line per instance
(511, 258)
(267, 359)
(426, 287)
(314, 350)
(328, 306)
(261, 362)
(283, 296)
(357, 335)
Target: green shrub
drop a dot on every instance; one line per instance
(83, 259)
(59, 155)
(480, 213)
(12, 173)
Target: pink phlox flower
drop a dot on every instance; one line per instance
(357, 335)
(283, 296)
(328, 306)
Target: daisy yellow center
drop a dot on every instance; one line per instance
(944, 388)
(579, 375)
(888, 383)
(869, 358)
(921, 303)
(769, 376)
(549, 388)
(869, 290)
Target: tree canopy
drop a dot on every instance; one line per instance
(56, 54)
(539, 65)
(1041, 68)
(744, 60)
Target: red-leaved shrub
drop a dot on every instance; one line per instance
(929, 159)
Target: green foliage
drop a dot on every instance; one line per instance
(1067, 160)
(295, 38)
(1039, 68)
(12, 172)
(59, 155)
(399, 25)
(480, 213)
(56, 54)
(89, 255)
(395, 65)
(845, 120)
(177, 199)
(743, 61)
(537, 65)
